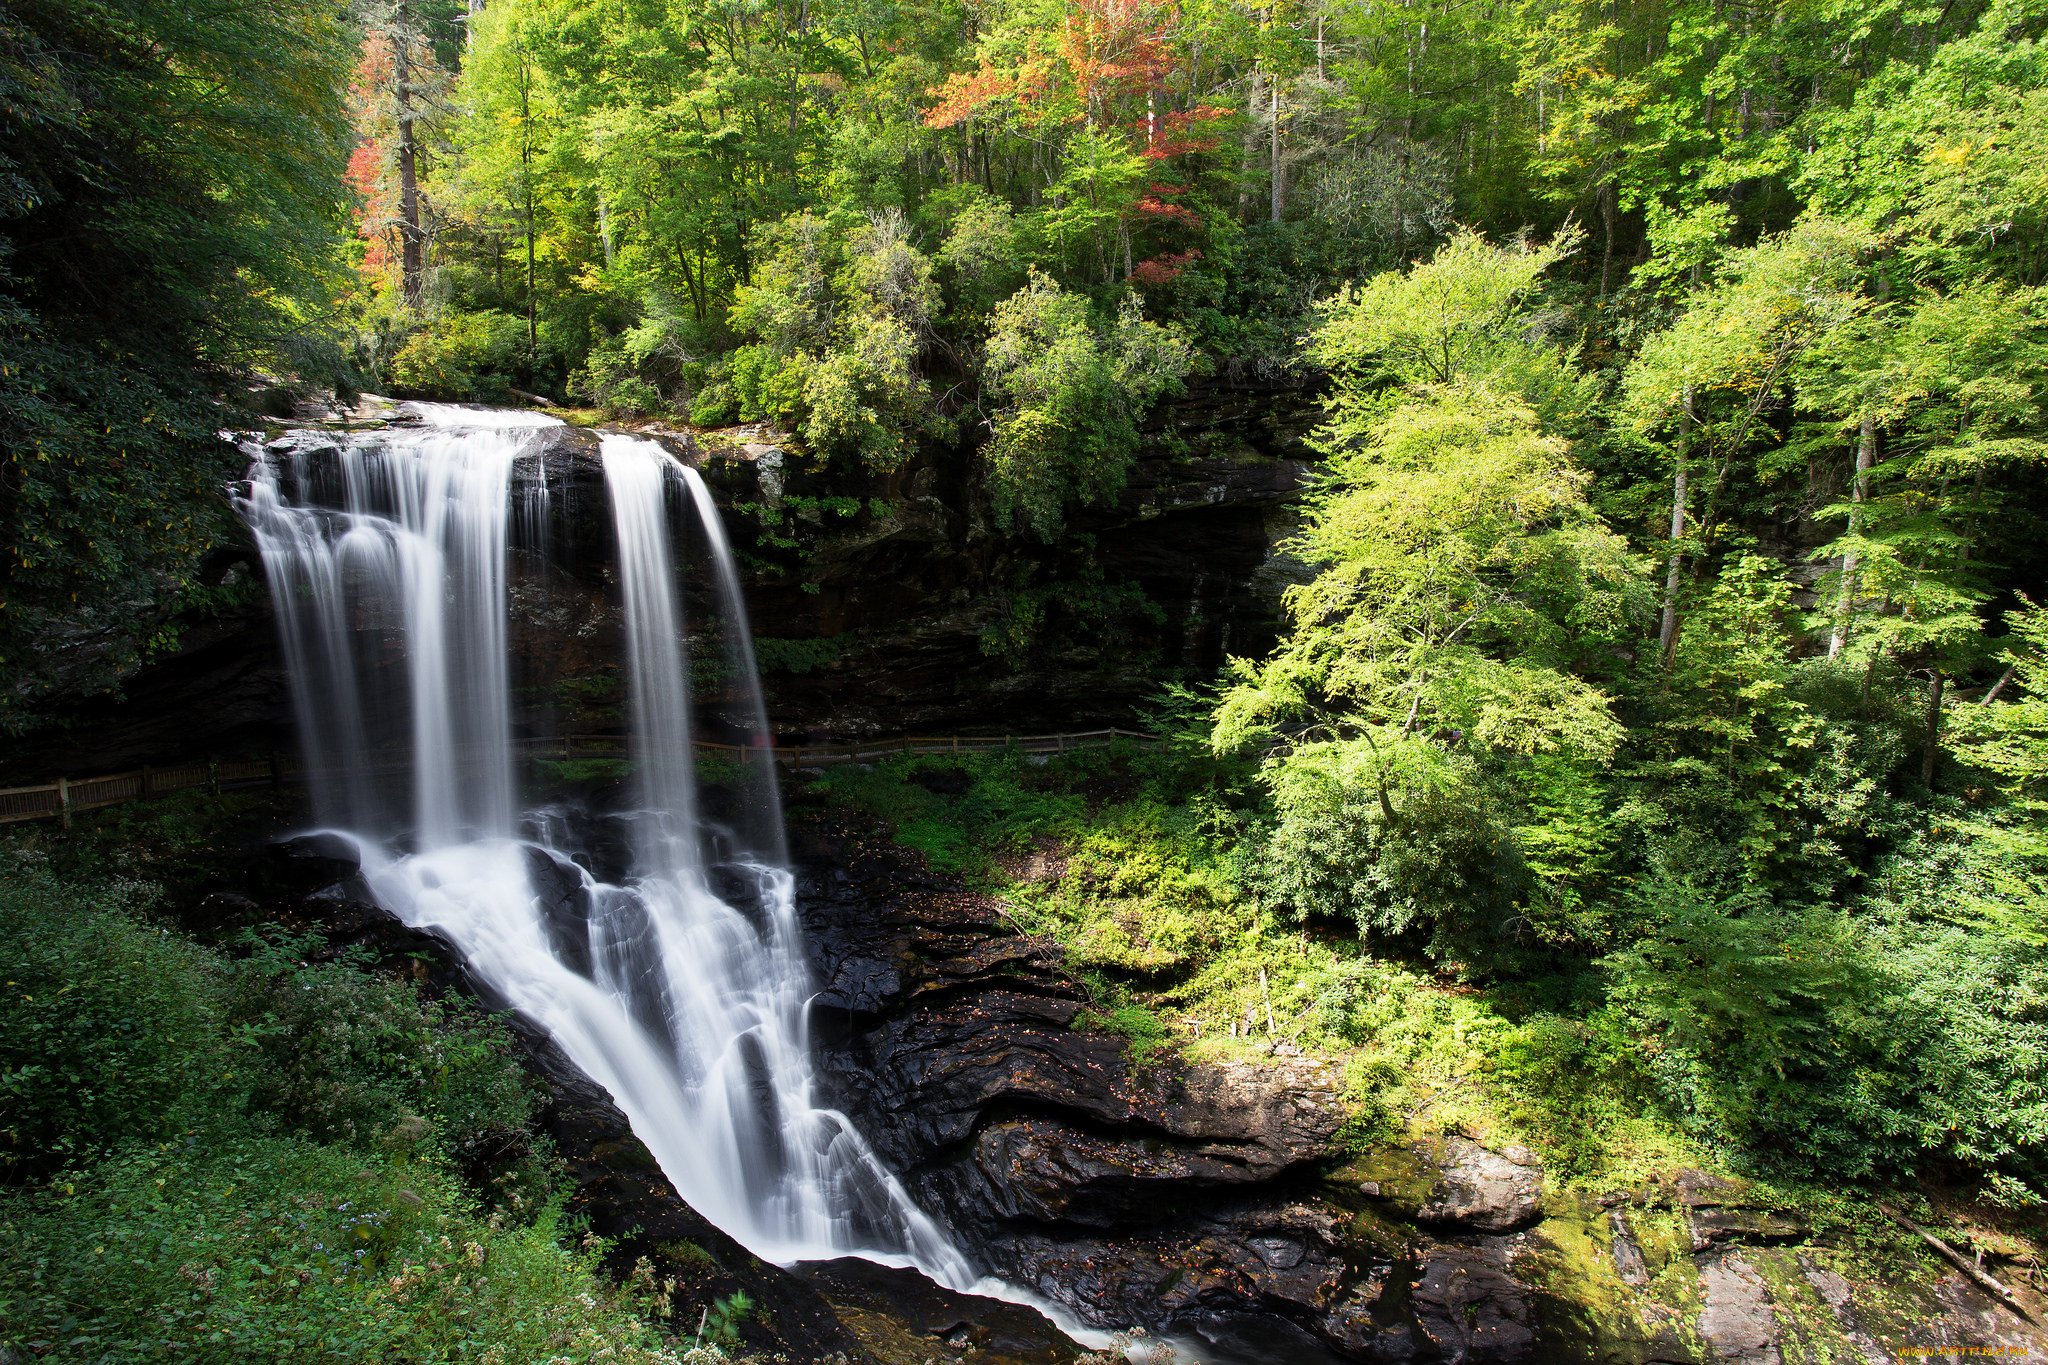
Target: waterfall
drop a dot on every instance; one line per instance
(681, 985)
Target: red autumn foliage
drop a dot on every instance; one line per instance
(1117, 47)
(1157, 205)
(1171, 137)
(370, 165)
(1107, 50)
(966, 93)
(1164, 269)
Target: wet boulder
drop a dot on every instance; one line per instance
(1480, 1189)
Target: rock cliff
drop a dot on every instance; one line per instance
(884, 604)
(1218, 1203)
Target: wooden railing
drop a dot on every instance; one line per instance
(67, 796)
(816, 755)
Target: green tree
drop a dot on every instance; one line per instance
(1068, 395)
(1460, 564)
(2007, 735)
(168, 223)
(1724, 363)
(1461, 581)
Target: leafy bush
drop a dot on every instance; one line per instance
(341, 1054)
(798, 656)
(1821, 1042)
(634, 395)
(118, 1033)
(1071, 395)
(1440, 875)
(255, 1159)
(461, 356)
(1145, 1033)
(107, 1027)
(717, 405)
(722, 1320)
(235, 1248)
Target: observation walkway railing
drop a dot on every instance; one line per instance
(67, 796)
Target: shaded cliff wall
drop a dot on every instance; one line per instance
(886, 604)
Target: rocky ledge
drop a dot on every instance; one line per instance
(877, 597)
(1216, 1202)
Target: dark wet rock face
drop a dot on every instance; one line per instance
(878, 624)
(1483, 1190)
(1208, 1202)
(1178, 1195)
(899, 1315)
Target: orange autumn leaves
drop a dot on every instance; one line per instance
(1110, 64)
(1112, 68)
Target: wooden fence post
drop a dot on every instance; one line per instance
(213, 777)
(64, 801)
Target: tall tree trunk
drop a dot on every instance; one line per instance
(1933, 753)
(1251, 142)
(1279, 186)
(533, 320)
(412, 243)
(1866, 456)
(1667, 634)
(1607, 197)
(526, 183)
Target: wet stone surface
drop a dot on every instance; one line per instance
(1209, 1202)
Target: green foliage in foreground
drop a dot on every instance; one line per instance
(213, 1158)
(1863, 1040)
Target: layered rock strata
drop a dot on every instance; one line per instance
(1215, 1201)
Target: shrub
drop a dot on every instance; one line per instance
(717, 405)
(341, 1055)
(461, 356)
(106, 1024)
(1441, 874)
(238, 1249)
(1144, 1033)
(261, 1159)
(115, 1033)
(1845, 1043)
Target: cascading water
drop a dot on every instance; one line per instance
(681, 989)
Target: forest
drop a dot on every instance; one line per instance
(1660, 727)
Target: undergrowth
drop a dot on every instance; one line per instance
(248, 1155)
(1133, 861)
(1615, 1059)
